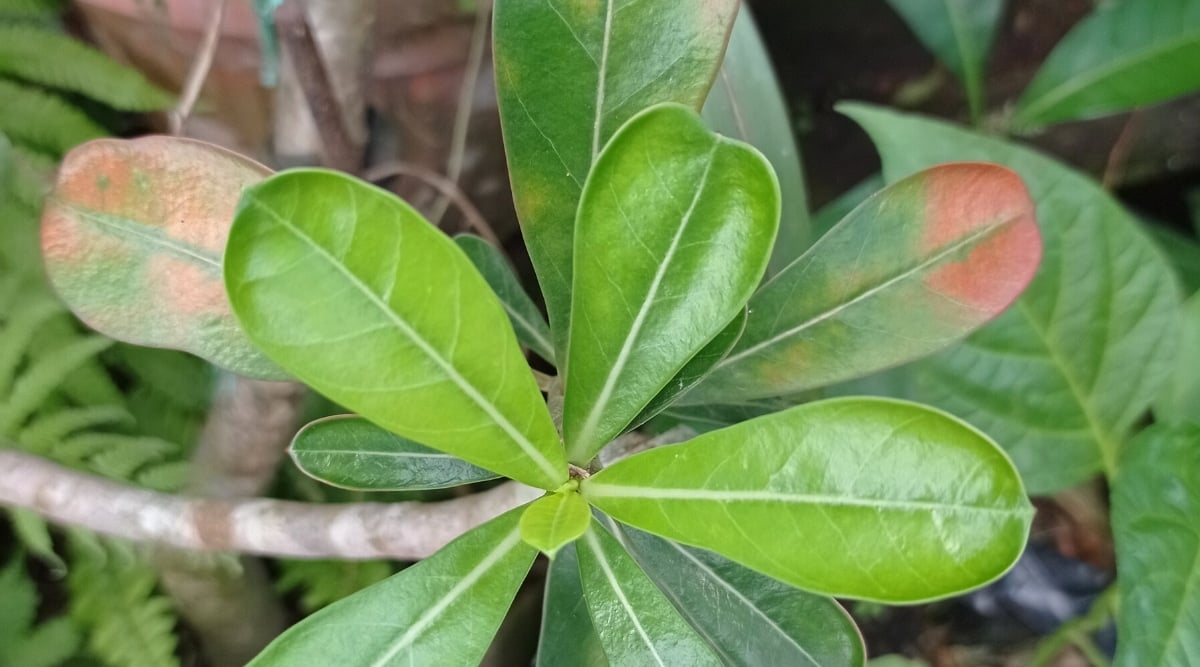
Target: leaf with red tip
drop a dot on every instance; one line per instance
(916, 267)
(133, 234)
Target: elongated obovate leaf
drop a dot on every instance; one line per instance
(555, 520)
(1156, 500)
(864, 498)
(133, 234)
(441, 611)
(1060, 378)
(568, 638)
(523, 313)
(675, 229)
(1179, 399)
(911, 270)
(1126, 54)
(746, 617)
(636, 623)
(746, 103)
(592, 67)
(349, 288)
(959, 33)
(352, 453)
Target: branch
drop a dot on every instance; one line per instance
(198, 72)
(443, 185)
(356, 531)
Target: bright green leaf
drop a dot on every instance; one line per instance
(1126, 54)
(442, 611)
(352, 453)
(526, 319)
(1060, 378)
(592, 66)
(911, 270)
(865, 498)
(636, 623)
(746, 103)
(1179, 400)
(567, 638)
(747, 618)
(959, 33)
(349, 288)
(1156, 500)
(675, 229)
(132, 236)
(555, 520)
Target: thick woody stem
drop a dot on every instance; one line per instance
(354, 531)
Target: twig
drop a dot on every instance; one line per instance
(352, 531)
(1119, 155)
(443, 185)
(199, 70)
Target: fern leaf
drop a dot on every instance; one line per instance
(124, 455)
(42, 377)
(89, 384)
(46, 430)
(165, 477)
(32, 178)
(50, 644)
(55, 60)
(33, 533)
(30, 116)
(31, 9)
(20, 601)
(323, 582)
(25, 318)
(22, 643)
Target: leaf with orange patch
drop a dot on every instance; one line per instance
(916, 267)
(133, 234)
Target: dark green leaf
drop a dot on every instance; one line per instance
(352, 453)
(527, 320)
(833, 212)
(864, 498)
(349, 288)
(568, 638)
(555, 520)
(1184, 253)
(675, 229)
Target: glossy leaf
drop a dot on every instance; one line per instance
(555, 520)
(567, 637)
(675, 230)
(132, 236)
(1125, 55)
(1156, 500)
(593, 66)
(351, 290)
(523, 313)
(865, 498)
(1061, 377)
(746, 617)
(911, 270)
(746, 103)
(352, 453)
(443, 610)
(636, 623)
(1179, 400)
(959, 33)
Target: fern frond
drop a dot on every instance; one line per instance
(23, 322)
(32, 178)
(166, 477)
(50, 644)
(20, 600)
(30, 116)
(124, 455)
(55, 60)
(33, 533)
(42, 377)
(323, 582)
(22, 643)
(31, 9)
(91, 383)
(45, 430)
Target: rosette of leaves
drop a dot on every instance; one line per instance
(650, 235)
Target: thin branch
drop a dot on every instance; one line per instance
(1114, 169)
(353, 531)
(199, 70)
(443, 185)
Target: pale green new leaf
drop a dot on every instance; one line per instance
(527, 320)
(568, 638)
(1179, 400)
(351, 290)
(352, 453)
(864, 498)
(675, 230)
(636, 623)
(1061, 377)
(555, 520)
(1155, 502)
(441, 611)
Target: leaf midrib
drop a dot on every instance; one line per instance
(606, 569)
(133, 231)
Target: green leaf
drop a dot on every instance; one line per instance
(833, 212)
(133, 234)
(1179, 400)
(636, 622)
(441, 611)
(914, 268)
(352, 453)
(747, 104)
(675, 229)
(959, 33)
(349, 288)
(747, 618)
(1183, 251)
(523, 313)
(43, 121)
(882, 500)
(1125, 55)
(1156, 500)
(568, 638)
(593, 65)
(555, 520)
(1060, 378)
